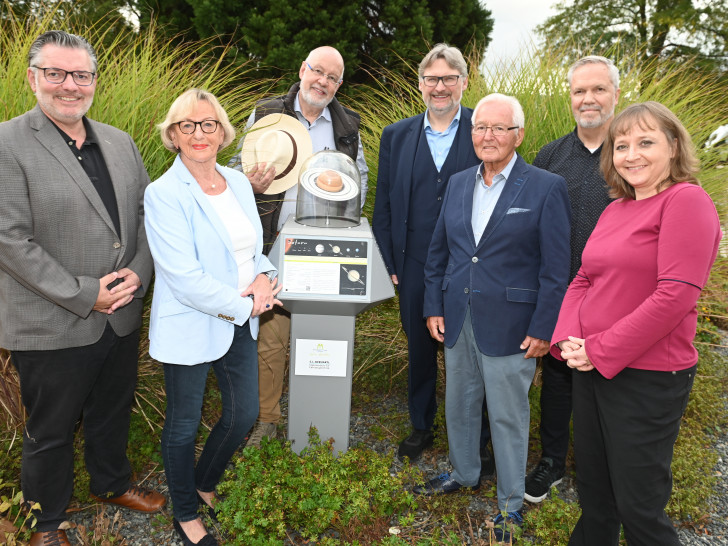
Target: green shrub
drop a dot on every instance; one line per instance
(273, 492)
(12, 509)
(553, 521)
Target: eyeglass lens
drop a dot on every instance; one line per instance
(207, 126)
(58, 76)
(321, 74)
(432, 81)
(498, 130)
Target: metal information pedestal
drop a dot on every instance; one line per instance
(329, 275)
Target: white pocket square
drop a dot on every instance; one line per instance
(517, 210)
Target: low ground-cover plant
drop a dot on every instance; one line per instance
(273, 493)
(553, 521)
(15, 521)
(105, 530)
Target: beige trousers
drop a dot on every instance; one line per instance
(273, 339)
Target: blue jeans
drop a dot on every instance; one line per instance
(237, 379)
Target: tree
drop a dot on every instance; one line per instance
(105, 15)
(656, 28)
(463, 23)
(174, 17)
(278, 34)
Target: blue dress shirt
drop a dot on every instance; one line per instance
(440, 142)
(486, 197)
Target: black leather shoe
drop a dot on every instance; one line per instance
(415, 444)
(207, 540)
(444, 483)
(487, 463)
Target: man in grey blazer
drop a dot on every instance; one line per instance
(74, 265)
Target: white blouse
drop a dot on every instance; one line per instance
(241, 231)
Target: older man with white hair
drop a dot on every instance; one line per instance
(496, 273)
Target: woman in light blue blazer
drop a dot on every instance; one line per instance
(212, 283)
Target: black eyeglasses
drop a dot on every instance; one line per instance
(188, 127)
(58, 75)
(432, 81)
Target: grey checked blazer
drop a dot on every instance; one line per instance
(57, 239)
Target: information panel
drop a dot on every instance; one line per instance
(326, 266)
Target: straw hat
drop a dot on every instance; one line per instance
(279, 139)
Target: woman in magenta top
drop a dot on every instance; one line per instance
(628, 321)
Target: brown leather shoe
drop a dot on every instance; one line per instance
(137, 498)
(49, 538)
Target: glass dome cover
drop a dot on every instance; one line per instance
(329, 191)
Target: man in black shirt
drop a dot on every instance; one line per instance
(594, 91)
(74, 267)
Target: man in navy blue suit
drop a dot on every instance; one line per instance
(417, 156)
(496, 272)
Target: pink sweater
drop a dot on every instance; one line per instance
(643, 268)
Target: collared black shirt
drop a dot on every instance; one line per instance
(588, 192)
(94, 165)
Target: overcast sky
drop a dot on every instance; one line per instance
(514, 21)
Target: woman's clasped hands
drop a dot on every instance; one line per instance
(573, 351)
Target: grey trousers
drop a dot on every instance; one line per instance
(505, 380)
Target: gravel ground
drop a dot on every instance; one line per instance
(144, 530)
(716, 530)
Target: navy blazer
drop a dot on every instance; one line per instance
(397, 170)
(516, 277)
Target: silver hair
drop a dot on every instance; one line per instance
(596, 59)
(60, 38)
(519, 118)
(451, 55)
